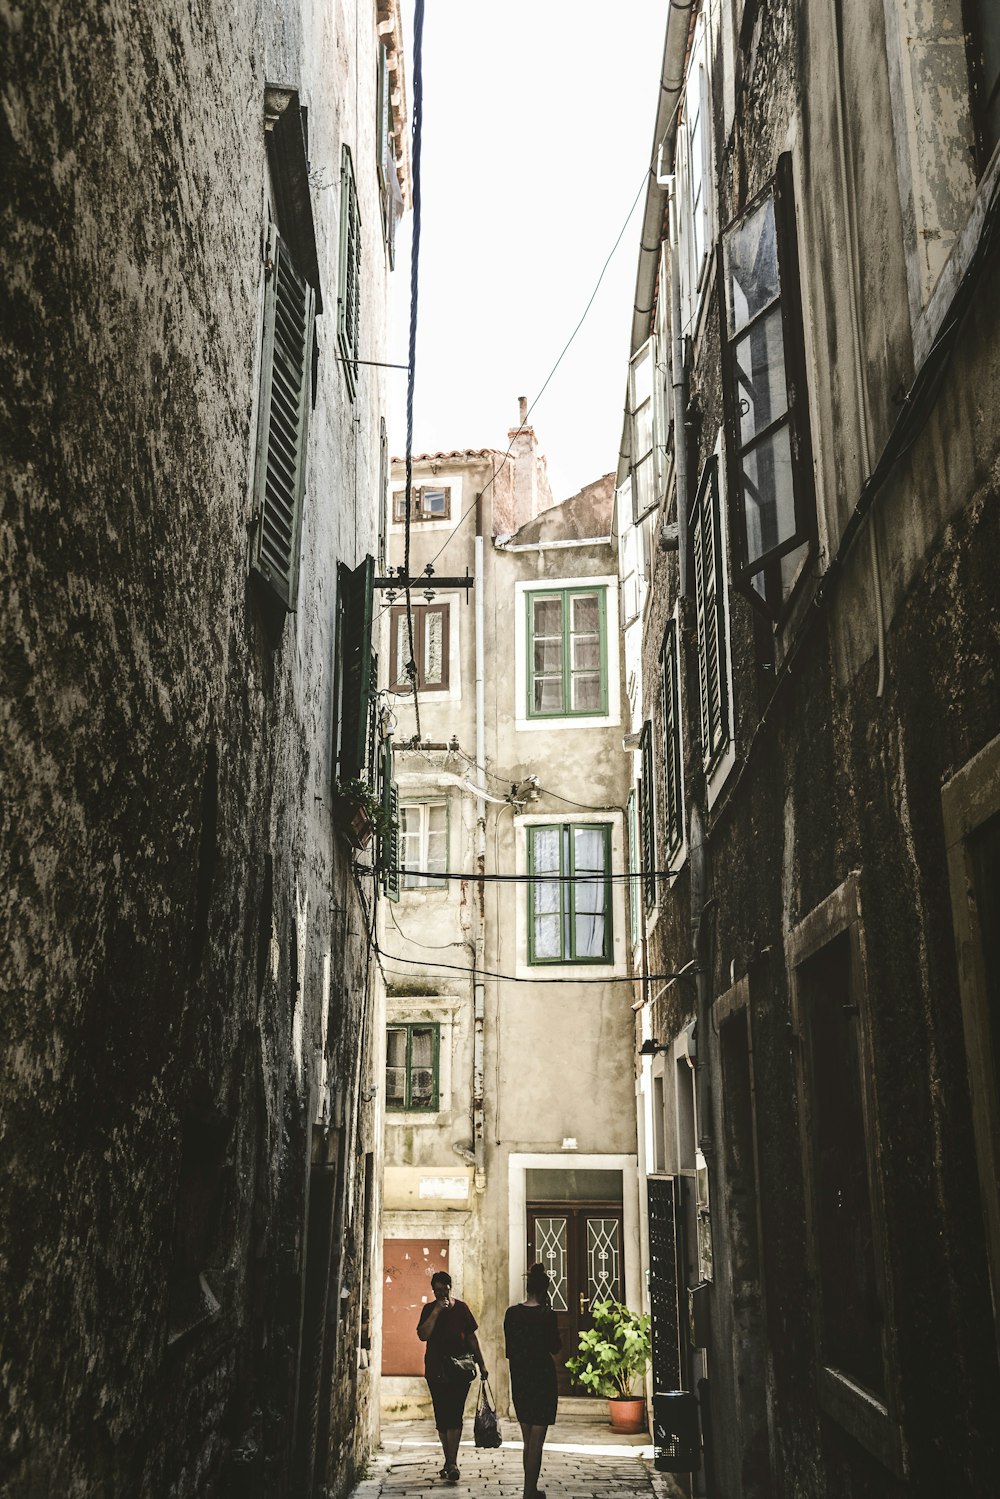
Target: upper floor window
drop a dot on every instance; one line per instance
(567, 653)
(349, 285)
(706, 545)
(412, 1055)
(694, 175)
(673, 799)
(424, 844)
(569, 898)
(427, 502)
(764, 388)
(431, 647)
(983, 40)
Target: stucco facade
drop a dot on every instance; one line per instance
(535, 1113)
(815, 1110)
(190, 1149)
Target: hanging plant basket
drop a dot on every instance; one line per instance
(357, 812)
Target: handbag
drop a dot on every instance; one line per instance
(461, 1370)
(486, 1427)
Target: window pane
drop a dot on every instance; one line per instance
(759, 360)
(642, 477)
(548, 932)
(435, 502)
(545, 850)
(768, 496)
(586, 613)
(437, 841)
(548, 656)
(433, 648)
(409, 843)
(751, 258)
(588, 849)
(589, 896)
(395, 1069)
(548, 697)
(586, 692)
(586, 652)
(422, 1047)
(547, 617)
(402, 648)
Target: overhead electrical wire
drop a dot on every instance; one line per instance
(591, 877)
(430, 971)
(545, 383)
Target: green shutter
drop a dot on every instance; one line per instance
(349, 289)
(673, 810)
(388, 855)
(709, 612)
(648, 816)
(357, 677)
(283, 421)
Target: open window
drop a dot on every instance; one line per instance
(764, 387)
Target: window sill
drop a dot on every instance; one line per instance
(570, 971)
(561, 722)
(717, 777)
(415, 1116)
(864, 1417)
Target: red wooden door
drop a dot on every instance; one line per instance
(407, 1267)
(580, 1246)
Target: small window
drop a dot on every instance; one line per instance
(567, 653)
(424, 844)
(411, 1067)
(673, 798)
(349, 287)
(706, 537)
(764, 388)
(569, 897)
(426, 503)
(983, 41)
(431, 647)
(283, 422)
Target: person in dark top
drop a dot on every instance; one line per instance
(532, 1337)
(449, 1330)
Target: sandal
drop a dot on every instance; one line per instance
(452, 1475)
(443, 1473)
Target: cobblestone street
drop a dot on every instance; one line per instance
(581, 1461)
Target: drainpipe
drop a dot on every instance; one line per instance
(678, 380)
(479, 985)
(698, 857)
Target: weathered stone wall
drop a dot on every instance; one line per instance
(842, 779)
(175, 900)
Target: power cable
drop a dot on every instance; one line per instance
(513, 978)
(591, 877)
(565, 349)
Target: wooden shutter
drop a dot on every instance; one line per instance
(706, 535)
(647, 808)
(664, 1282)
(673, 811)
(349, 297)
(388, 853)
(357, 597)
(283, 420)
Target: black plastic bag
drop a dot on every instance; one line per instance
(486, 1427)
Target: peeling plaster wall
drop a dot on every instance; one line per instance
(172, 888)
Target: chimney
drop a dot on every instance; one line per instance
(531, 481)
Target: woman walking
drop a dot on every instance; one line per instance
(532, 1337)
(449, 1329)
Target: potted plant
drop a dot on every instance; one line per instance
(614, 1356)
(360, 812)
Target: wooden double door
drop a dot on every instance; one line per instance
(580, 1245)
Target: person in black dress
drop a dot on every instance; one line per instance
(449, 1330)
(532, 1337)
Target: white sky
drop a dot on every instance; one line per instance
(538, 125)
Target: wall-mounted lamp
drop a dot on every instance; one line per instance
(649, 1047)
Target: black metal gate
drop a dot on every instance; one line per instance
(663, 1287)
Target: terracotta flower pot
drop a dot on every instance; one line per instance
(628, 1413)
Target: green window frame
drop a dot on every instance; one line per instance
(561, 666)
(647, 808)
(634, 868)
(412, 1067)
(561, 907)
(705, 528)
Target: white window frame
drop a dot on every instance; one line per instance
(696, 167)
(410, 883)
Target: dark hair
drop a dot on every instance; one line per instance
(539, 1284)
(440, 1275)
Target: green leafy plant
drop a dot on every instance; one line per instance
(356, 795)
(614, 1353)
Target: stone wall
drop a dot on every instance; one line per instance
(182, 935)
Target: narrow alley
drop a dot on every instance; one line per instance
(583, 1460)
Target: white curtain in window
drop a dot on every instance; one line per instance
(433, 648)
(589, 895)
(585, 652)
(547, 893)
(437, 841)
